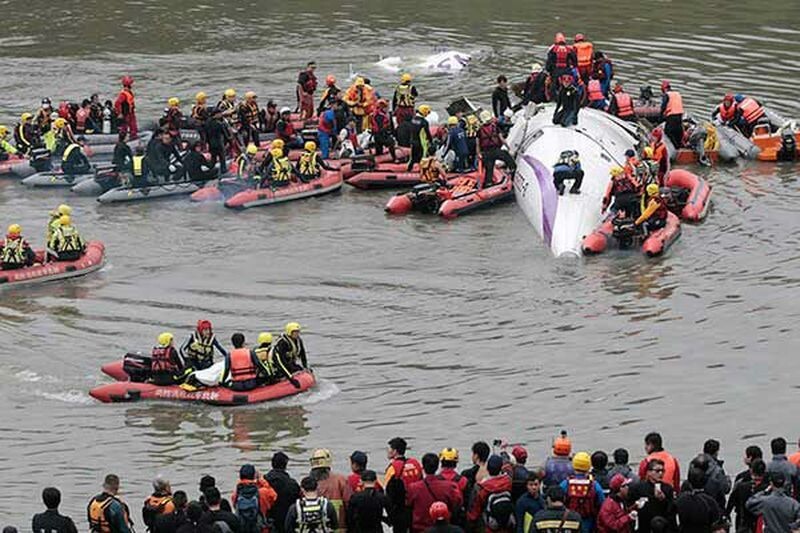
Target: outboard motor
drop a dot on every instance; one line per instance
(788, 151)
(646, 94)
(625, 232)
(137, 366)
(40, 159)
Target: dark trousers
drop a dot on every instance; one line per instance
(491, 155)
(673, 128)
(218, 156)
(416, 155)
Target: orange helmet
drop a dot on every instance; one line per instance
(330, 80)
(562, 445)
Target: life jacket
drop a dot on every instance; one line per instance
(312, 515)
(307, 165)
(154, 506)
(294, 347)
(288, 132)
(199, 112)
(242, 368)
(488, 136)
(430, 174)
(281, 169)
(162, 362)
(674, 104)
(660, 214)
(138, 161)
(562, 53)
(20, 137)
(595, 92)
(264, 354)
(584, 50)
(726, 114)
(80, 119)
(623, 184)
(751, 110)
(581, 497)
(68, 239)
(624, 105)
(13, 251)
(250, 112)
(324, 125)
(244, 164)
(379, 122)
(125, 97)
(69, 150)
(96, 513)
(404, 95)
(310, 85)
(200, 348)
(471, 130)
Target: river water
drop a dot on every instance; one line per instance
(441, 332)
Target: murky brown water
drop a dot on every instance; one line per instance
(441, 332)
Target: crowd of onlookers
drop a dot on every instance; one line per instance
(500, 491)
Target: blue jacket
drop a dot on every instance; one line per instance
(527, 507)
(556, 470)
(457, 140)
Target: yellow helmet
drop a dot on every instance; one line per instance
(291, 327)
(424, 110)
(60, 122)
(201, 97)
(26, 117)
(65, 220)
(3, 131)
(173, 102)
(250, 95)
(64, 209)
(652, 189)
(582, 462)
(617, 171)
(14, 229)
(264, 338)
(449, 454)
(405, 78)
(310, 146)
(230, 93)
(321, 458)
(648, 152)
(252, 149)
(276, 152)
(452, 121)
(472, 119)
(278, 143)
(359, 82)
(164, 339)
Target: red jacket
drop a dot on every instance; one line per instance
(356, 485)
(450, 474)
(483, 489)
(422, 494)
(613, 518)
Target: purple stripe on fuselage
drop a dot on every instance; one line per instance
(548, 194)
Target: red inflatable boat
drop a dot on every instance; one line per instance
(328, 182)
(697, 196)
(91, 261)
(7, 166)
(129, 391)
(625, 237)
(687, 156)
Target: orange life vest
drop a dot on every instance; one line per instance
(595, 90)
(751, 110)
(584, 50)
(242, 367)
(162, 360)
(624, 105)
(562, 52)
(674, 104)
(726, 114)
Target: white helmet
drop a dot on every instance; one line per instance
(508, 113)
(285, 110)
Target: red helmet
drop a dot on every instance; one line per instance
(330, 80)
(728, 98)
(579, 37)
(658, 134)
(203, 325)
(439, 511)
(520, 453)
(560, 39)
(127, 81)
(665, 86)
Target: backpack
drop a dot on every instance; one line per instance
(247, 509)
(582, 497)
(499, 511)
(152, 508)
(312, 515)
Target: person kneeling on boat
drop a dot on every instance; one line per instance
(74, 161)
(167, 367)
(289, 354)
(6, 148)
(197, 166)
(241, 366)
(380, 124)
(66, 243)
(568, 167)
(123, 155)
(654, 215)
(624, 189)
(432, 172)
(309, 167)
(264, 353)
(15, 252)
(198, 349)
(246, 165)
(55, 220)
(164, 160)
(279, 172)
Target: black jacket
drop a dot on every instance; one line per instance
(52, 522)
(169, 523)
(697, 511)
(288, 492)
(366, 511)
(216, 132)
(654, 507)
(500, 101)
(210, 517)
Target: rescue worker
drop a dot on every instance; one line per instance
(66, 242)
(309, 166)
(568, 167)
(471, 129)
(263, 351)
(556, 518)
(432, 172)
(83, 119)
(748, 112)
(227, 105)
(561, 58)
(568, 102)
(652, 170)
(106, 513)
(594, 95)
(584, 56)
(246, 164)
(360, 98)
(198, 349)
(63, 135)
(654, 210)
(326, 129)
(241, 366)
(74, 161)
(51, 521)
(440, 515)
(329, 95)
(660, 155)
(404, 99)
(537, 86)
(448, 459)
(380, 124)
(289, 353)
(491, 504)
(217, 134)
(15, 252)
(173, 118)
(400, 474)
(421, 137)
(279, 172)
(198, 168)
(285, 131)
(200, 114)
(122, 159)
(500, 99)
(271, 117)
(621, 104)
(6, 148)
(603, 70)
(490, 148)
(125, 108)
(25, 134)
(429, 490)
(624, 190)
(558, 466)
(330, 485)
(55, 220)
(159, 503)
(672, 113)
(584, 494)
(725, 113)
(457, 143)
(42, 119)
(249, 119)
(306, 86)
(139, 168)
(312, 513)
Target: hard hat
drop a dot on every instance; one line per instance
(618, 88)
(486, 116)
(630, 152)
(14, 229)
(359, 82)
(405, 78)
(278, 143)
(3, 131)
(739, 98)
(508, 113)
(439, 512)
(321, 458)
(648, 152)
(285, 109)
(65, 220)
(310, 146)
(665, 85)
(582, 462)
(25, 117)
(449, 454)
(520, 453)
(165, 338)
(264, 338)
(127, 81)
(53, 115)
(658, 134)
(728, 98)
(200, 97)
(560, 39)
(250, 95)
(536, 67)
(452, 121)
(562, 445)
(252, 149)
(330, 80)
(64, 209)
(472, 119)
(291, 327)
(652, 189)
(579, 37)
(174, 101)
(203, 325)
(60, 122)
(230, 93)
(617, 171)
(424, 110)
(46, 102)
(276, 152)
